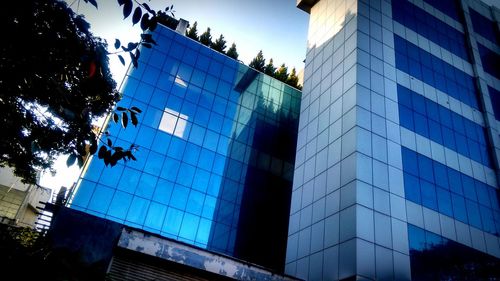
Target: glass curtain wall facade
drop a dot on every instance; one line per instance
(216, 153)
(397, 162)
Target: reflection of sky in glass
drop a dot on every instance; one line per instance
(179, 81)
(195, 137)
(173, 122)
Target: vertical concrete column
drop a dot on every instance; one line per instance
(348, 213)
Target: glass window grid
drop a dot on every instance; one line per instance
(495, 101)
(447, 191)
(435, 72)
(290, 101)
(439, 124)
(430, 27)
(490, 60)
(484, 26)
(449, 7)
(148, 93)
(427, 248)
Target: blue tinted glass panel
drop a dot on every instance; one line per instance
(428, 191)
(484, 26)
(445, 76)
(428, 249)
(189, 226)
(101, 198)
(120, 204)
(430, 27)
(138, 210)
(146, 186)
(473, 214)
(444, 202)
(450, 192)
(495, 101)
(450, 8)
(203, 117)
(490, 60)
(173, 220)
(459, 208)
(445, 127)
(84, 193)
(412, 188)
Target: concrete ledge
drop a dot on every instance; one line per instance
(306, 5)
(188, 255)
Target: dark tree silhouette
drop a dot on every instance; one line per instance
(231, 52)
(258, 62)
(219, 44)
(282, 73)
(206, 37)
(269, 68)
(55, 80)
(193, 32)
(292, 79)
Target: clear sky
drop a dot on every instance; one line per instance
(276, 27)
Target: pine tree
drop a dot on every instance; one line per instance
(193, 32)
(258, 62)
(292, 79)
(282, 73)
(269, 69)
(219, 44)
(232, 52)
(206, 37)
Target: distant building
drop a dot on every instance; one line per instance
(20, 204)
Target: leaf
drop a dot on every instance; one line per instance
(146, 6)
(115, 157)
(137, 54)
(147, 45)
(127, 8)
(117, 43)
(148, 38)
(131, 46)
(93, 146)
(137, 15)
(145, 22)
(93, 2)
(71, 159)
(80, 161)
(134, 59)
(134, 108)
(132, 156)
(152, 24)
(133, 118)
(120, 108)
(80, 148)
(115, 117)
(122, 60)
(110, 143)
(124, 120)
(107, 157)
(102, 152)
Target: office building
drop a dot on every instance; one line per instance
(216, 154)
(397, 166)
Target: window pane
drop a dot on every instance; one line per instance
(120, 204)
(138, 209)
